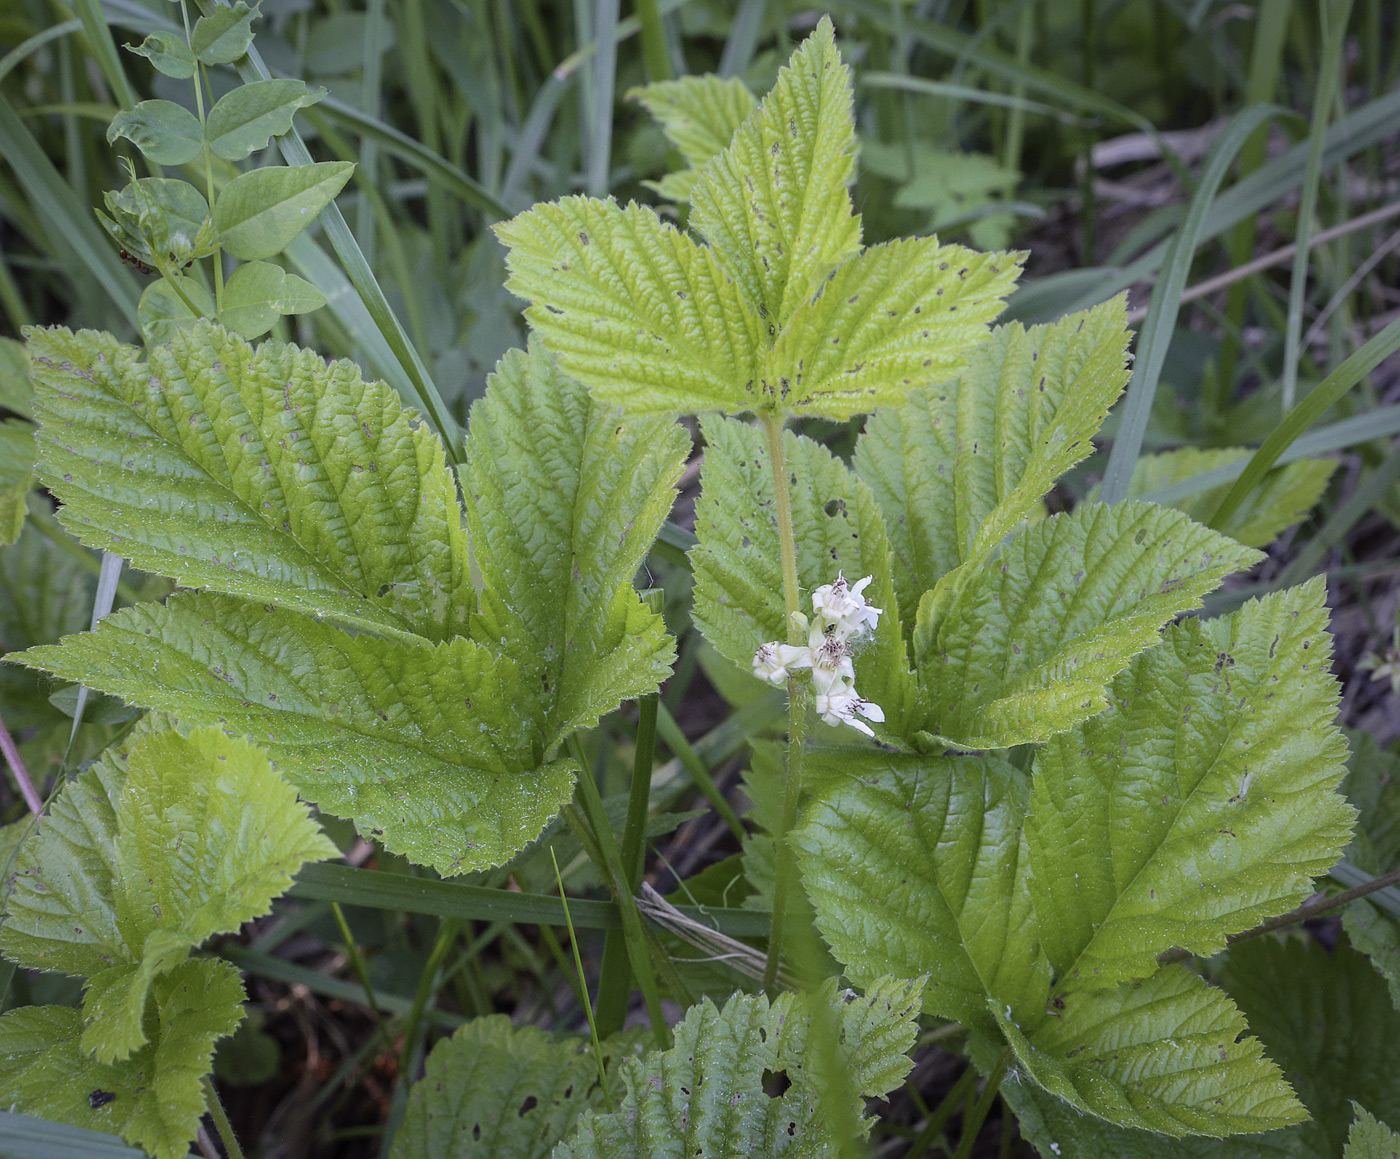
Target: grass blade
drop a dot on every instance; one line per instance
(604, 79)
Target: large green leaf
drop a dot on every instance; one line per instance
(699, 115)
(706, 1094)
(263, 473)
(1369, 1138)
(916, 865)
(737, 562)
(894, 317)
(497, 1091)
(155, 1098)
(637, 310)
(1327, 1019)
(99, 894)
(563, 503)
(1202, 802)
(1163, 1054)
(775, 203)
(424, 746)
(959, 466)
(1026, 648)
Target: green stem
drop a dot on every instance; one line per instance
(583, 982)
(653, 40)
(694, 764)
(787, 545)
(973, 1123)
(208, 175)
(222, 1127)
(943, 1112)
(428, 984)
(357, 963)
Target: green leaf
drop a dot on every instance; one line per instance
(261, 211)
(639, 312)
(706, 1094)
(168, 52)
(1283, 497)
(958, 467)
(156, 1096)
(264, 473)
(246, 118)
(16, 476)
(224, 35)
(425, 747)
(737, 563)
(563, 503)
(1370, 1138)
(1163, 1054)
(1326, 1017)
(161, 221)
(99, 894)
(497, 1091)
(167, 133)
(894, 317)
(699, 115)
(16, 393)
(259, 293)
(163, 312)
(774, 203)
(1373, 786)
(916, 865)
(1026, 648)
(1203, 801)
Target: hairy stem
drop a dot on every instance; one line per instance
(222, 1127)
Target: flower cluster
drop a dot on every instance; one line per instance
(841, 615)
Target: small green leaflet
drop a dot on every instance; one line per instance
(259, 293)
(1203, 801)
(155, 1098)
(699, 115)
(98, 894)
(1026, 648)
(168, 52)
(705, 1095)
(959, 466)
(738, 576)
(245, 119)
(224, 35)
(160, 221)
(563, 503)
(261, 211)
(1370, 1138)
(497, 1091)
(167, 133)
(263, 473)
(164, 309)
(1283, 497)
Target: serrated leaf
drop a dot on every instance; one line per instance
(699, 115)
(497, 1091)
(1160, 1055)
(424, 746)
(1202, 802)
(1325, 1016)
(1373, 786)
(837, 528)
(1283, 497)
(958, 467)
(894, 317)
(261, 211)
(1026, 648)
(246, 118)
(705, 1095)
(167, 133)
(259, 293)
(916, 865)
(1369, 1138)
(16, 476)
(264, 473)
(774, 203)
(634, 308)
(224, 35)
(99, 894)
(168, 52)
(563, 503)
(164, 309)
(155, 1098)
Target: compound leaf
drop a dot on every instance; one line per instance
(957, 467)
(639, 312)
(1026, 648)
(705, 1095)
(775, 203)
(155, 1098)
(917, 865)
(265, 473)
(699, 115)
(1161, 1055)
(563, 503)
(1203, 801)
(424, 746)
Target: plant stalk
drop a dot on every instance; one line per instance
(222, 1127)
(973, 1123)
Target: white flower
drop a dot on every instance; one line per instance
(831, 663)
(842, 706)
(840, 606)
(772, 661)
